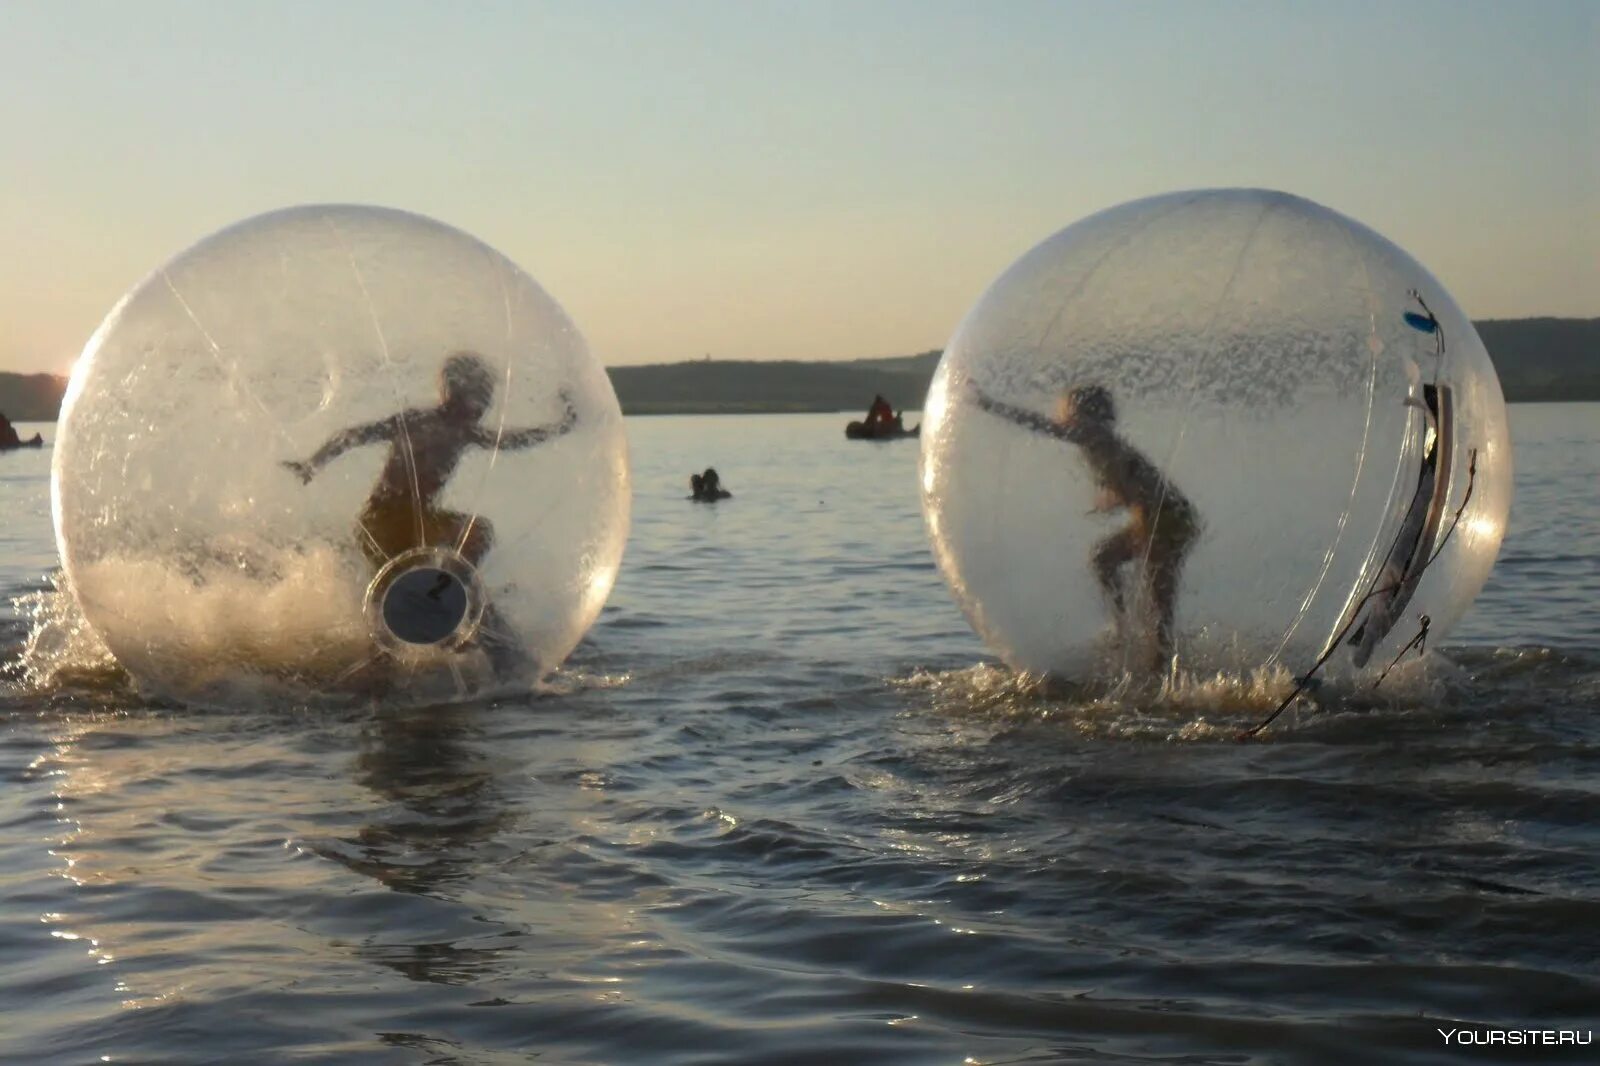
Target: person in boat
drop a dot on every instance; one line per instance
(9, 438)
(707, 487)
(425, 446)
(1163, 525)
(880, 416)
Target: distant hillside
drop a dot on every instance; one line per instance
(711, 387)
(1545, 359)
(1538, 359)
(31, 397)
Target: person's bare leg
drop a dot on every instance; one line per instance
(1110, 556)
(478, 538)
(508, 655)
(1165, 568)
(386, 529)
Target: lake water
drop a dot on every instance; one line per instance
(781, 807)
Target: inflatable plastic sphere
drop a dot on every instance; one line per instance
(344, 447)
(1227, 429)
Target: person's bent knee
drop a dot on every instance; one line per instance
(478, 540)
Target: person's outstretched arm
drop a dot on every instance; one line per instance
(339, 443)
(1020, 416)
(527, 438)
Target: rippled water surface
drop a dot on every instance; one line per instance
(783, 808)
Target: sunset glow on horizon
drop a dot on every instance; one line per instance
(786, 180)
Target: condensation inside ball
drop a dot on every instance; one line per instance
(1255, 354)
(265, 423)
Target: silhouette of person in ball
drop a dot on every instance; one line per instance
(1163, 523)
(425, 446)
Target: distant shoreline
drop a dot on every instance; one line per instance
(1539, 360)
(912, 415)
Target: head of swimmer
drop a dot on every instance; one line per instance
(1086, 409)
(466, 388)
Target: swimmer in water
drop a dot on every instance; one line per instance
(1163, 523)
(425, 446)
(707, 487)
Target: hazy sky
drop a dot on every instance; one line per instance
(785, 180)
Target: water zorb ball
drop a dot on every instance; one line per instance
(346, 447)
(1229, 427)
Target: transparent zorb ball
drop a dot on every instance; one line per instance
(342, 448)
(1224, 428)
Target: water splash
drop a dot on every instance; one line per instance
(1179, 706)
(61, 650)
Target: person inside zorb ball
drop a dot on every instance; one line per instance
(347, 448)
(1215, 430)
